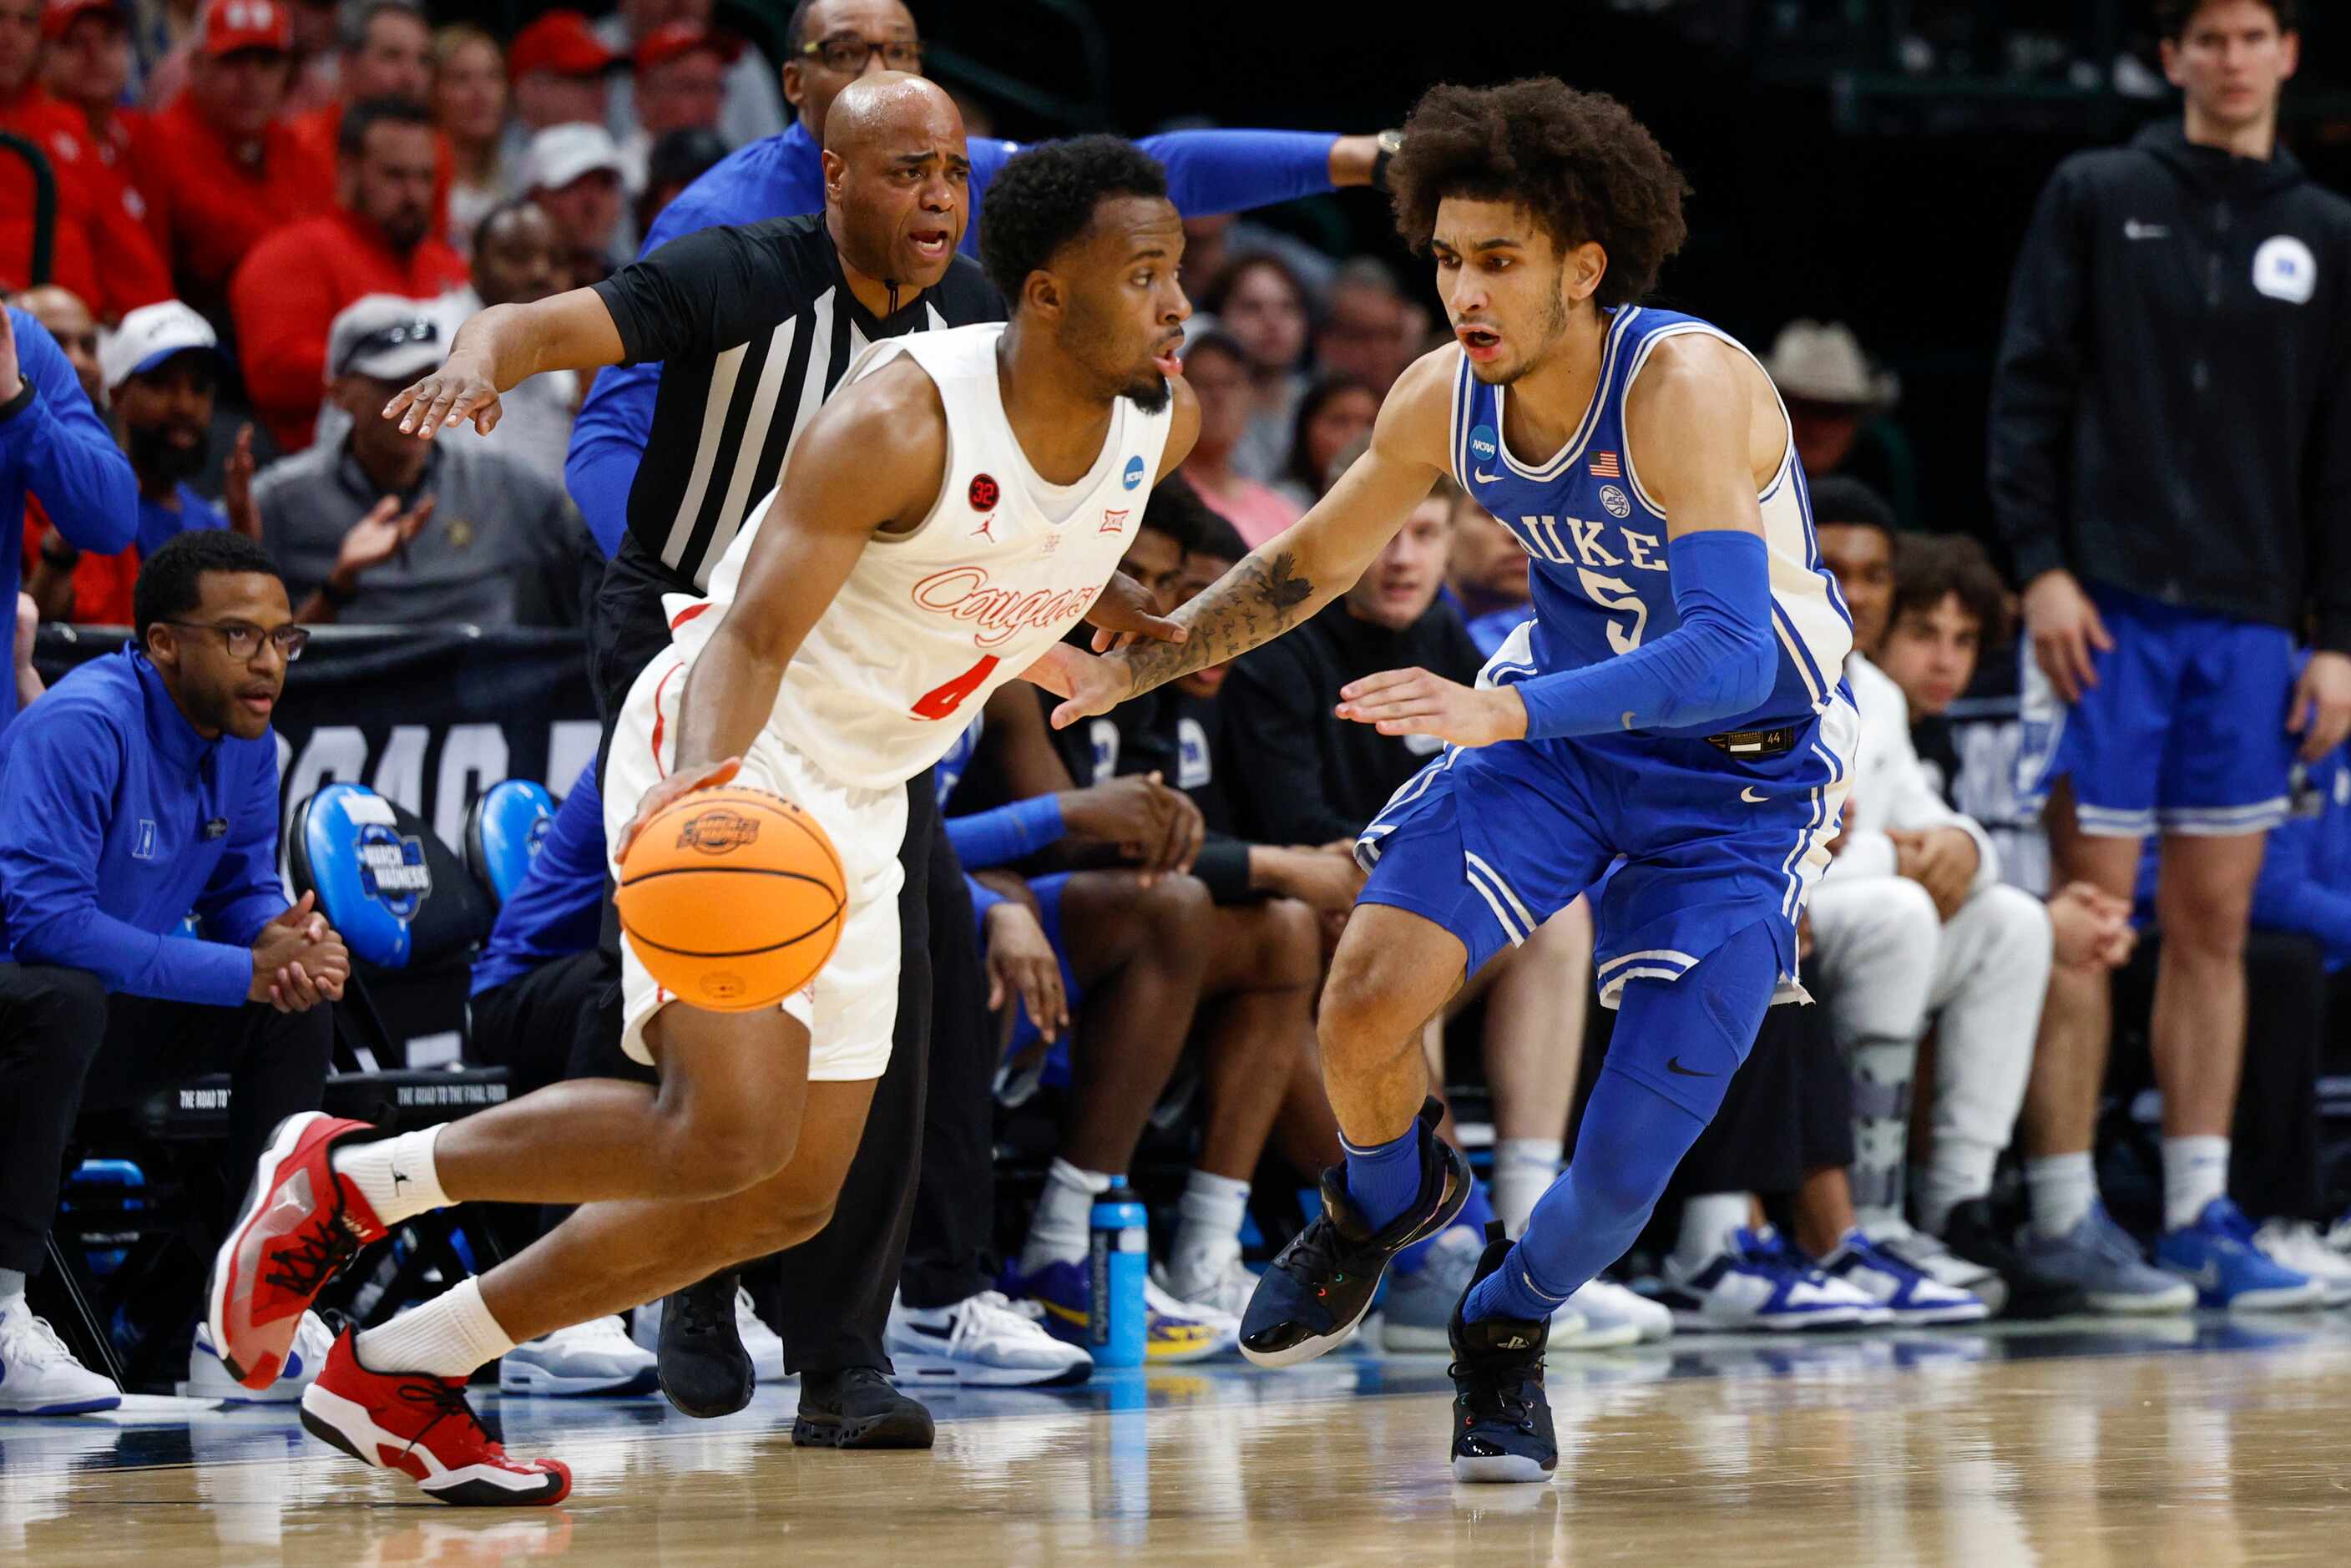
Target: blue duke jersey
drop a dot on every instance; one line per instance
(1711, 829)
(1597, 539)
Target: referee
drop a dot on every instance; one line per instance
(754, 327)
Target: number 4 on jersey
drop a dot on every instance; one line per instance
(940, 701)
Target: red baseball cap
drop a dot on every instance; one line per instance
(233, 25)
(58, 15)
(561, 42)
(671, 40)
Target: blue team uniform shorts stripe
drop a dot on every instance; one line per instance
(1692, 844)
(2185, 731)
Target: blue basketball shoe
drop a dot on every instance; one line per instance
(1065, 1291)
(1322, 1283)
(1501, 1422)
(2218, 1255)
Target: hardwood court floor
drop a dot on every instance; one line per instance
(2205, 1442)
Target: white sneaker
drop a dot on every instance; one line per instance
(2297, 1245)
(1418, 1314)
(594, 1357)
(1928, 1256)
(1224, 1292)
(985, 1340)
(38, 1375)
(1908, 1294)
(208, 1375)
(1608, 1306)
(1159, 1300)
(1757, 1282)
(760, 1343)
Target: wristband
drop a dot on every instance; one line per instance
(1391, 142)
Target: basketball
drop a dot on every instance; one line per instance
(733, 898)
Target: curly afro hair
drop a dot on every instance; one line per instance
(1045, 197)
(1579, 160)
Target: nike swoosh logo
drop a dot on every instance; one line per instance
(1674, 1065)
(928, 1331)
(1481, 476)
(399, 1179)
(2134, 229)
(1750, 797)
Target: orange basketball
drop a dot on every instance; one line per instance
(733, 898)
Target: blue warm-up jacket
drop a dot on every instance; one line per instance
(559, 910)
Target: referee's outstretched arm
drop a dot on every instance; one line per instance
(501, 346)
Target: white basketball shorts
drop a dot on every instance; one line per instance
(851, 1006)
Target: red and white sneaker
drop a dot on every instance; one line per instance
(421, 1425)
(300, 1223)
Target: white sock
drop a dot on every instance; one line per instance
(1524, 1169)
(1955, 1172)
(1708, 1221)
(2061, 1189)
(12, 1285)
(448, 1336)
(396, 1176)
(2195, 1172)
(1058, 1231)
(1207, 1230)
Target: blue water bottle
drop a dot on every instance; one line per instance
(1119, 1254)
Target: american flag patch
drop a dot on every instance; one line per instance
(1605, 466)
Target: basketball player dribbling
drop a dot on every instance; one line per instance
(1677, 702)
(943, 520)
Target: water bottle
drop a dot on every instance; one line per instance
(1119, 1254)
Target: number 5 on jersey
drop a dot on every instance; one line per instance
(940, 701)
(1616, 593)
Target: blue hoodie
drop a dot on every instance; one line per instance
(116, 818)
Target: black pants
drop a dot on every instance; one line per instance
(837, 1284)
(1788, 1112)
(67, 1047)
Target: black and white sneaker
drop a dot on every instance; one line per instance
(1322, 1283)
(1501, 1422)
(857, 1408)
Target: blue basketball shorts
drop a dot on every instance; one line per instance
(2184, 733)
(1490, 841)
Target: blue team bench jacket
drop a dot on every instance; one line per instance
(116, 818)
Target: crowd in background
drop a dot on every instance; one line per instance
(273, 214)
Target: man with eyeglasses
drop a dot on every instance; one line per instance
(141, 787)
(377, 530)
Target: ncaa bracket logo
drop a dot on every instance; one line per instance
(393, 870)
(2284, 269)
(1611, 498)
(1483, 445)
(1133, 477)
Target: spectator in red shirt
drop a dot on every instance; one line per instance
(559, 69)
(681, 85)
(387, 52)
(221, 168)
(100, 251)
(379, 240)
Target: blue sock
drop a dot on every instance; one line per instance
(1474, 1214)
(1385, 1178)
(1633, 1136)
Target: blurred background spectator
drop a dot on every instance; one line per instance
(559, 69)
(675, 161)
(1218, 368)
(387, 530)
(1837, 402)
(1261, 303)
(515, 262)
(572, 173)
(377, 240)
(469, 109)
(753, 102)
(1336, 413)
(1369, 329)
(386, 52)
(221, 167)
(681, 85)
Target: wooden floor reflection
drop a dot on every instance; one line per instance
(2206, 1443)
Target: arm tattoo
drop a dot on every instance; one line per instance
(1255, 602)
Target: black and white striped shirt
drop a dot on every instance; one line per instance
(754, 327)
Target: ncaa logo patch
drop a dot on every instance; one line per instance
(393, 870)
(1613, 500)
(1133, 477)
(1483, 445)
(143, 848)
(2284, 269)
(984, 493)
(718, 830)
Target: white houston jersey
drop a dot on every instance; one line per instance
(932, 620)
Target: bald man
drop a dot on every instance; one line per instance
(754, 326)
